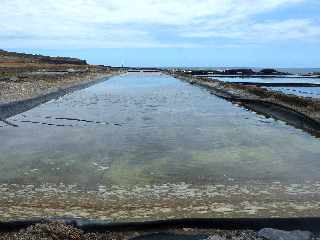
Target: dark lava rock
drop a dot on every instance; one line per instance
(241, 71)
(204, 72)
(270, 71)
(274, 234)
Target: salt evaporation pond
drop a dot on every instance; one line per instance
(287, 79)
(310, 92)
(147, 146)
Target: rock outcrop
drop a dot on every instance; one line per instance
(270, 71)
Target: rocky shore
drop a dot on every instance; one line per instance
(303, 113)
(238, 72)
(244, 72)
(26, 76)
(60, 231)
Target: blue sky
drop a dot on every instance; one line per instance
(244, 33)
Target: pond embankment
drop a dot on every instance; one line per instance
(27, 87)
(303, 113)
(28, 80)
(20, 97)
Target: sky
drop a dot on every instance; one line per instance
(185, 33)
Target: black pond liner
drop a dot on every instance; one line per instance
(288, 224)
(279, 112)
(170, 236)
(282, 113)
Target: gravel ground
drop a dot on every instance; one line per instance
(32, 86)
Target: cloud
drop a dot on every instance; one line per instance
(143, 23)
(307, 30)
(291, 29)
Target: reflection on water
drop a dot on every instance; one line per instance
(152, 135)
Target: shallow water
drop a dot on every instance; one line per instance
(148, 146)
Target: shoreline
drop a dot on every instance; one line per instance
(302, 113)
